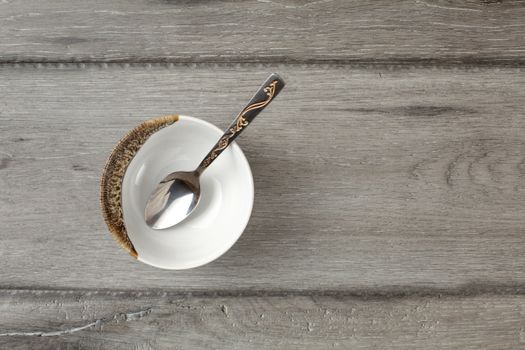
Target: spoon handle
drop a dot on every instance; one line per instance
(266, 93)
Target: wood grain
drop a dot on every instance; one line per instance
(450, 32)
(63, 320)
(389, 174)
(365, 178)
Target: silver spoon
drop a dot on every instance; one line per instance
(178, 193)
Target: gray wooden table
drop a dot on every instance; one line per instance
(389, 175)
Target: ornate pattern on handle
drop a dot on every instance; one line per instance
(240, 124)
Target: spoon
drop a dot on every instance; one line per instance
(177, 194)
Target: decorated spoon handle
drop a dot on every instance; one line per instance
(266, 93)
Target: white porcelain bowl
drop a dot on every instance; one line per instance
(219, 218)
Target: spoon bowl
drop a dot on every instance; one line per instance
(173, 200)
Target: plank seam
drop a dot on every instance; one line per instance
(385, 293)
(361, 64)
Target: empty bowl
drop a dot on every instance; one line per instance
(142, 159)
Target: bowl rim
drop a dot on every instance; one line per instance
(251, 195)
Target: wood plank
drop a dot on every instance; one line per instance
(63, 320)
(365, 178)
(483, 32)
